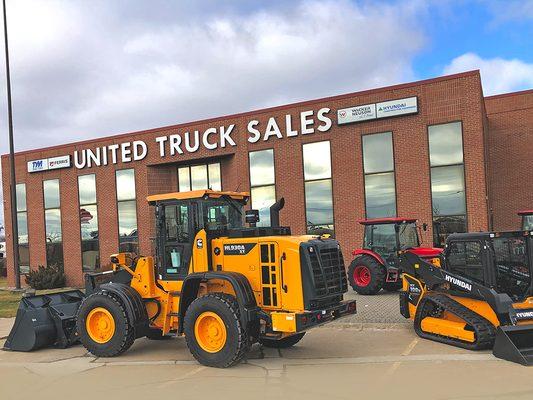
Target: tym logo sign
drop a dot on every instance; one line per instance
(49, 163)
(458, 282)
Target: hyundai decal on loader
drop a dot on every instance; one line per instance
(480, 298)
(222, 285)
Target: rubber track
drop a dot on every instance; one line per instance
(484, 331)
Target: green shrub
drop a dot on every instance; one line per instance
(50, 277)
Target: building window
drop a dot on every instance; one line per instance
(262, 183)
(378, 166)
(199, 177)
(127, 211)
(318, 188)
(22, 222)
(447, 180)
(88, 222)
(52, 221)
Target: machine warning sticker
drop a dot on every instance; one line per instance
(238, 249)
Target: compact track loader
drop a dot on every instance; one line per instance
(480, 298)
(224, 286)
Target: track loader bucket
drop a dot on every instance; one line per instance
(45, 320)
(514, 343)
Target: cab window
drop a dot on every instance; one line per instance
(464, 259)
(222, 214)
(512, 268)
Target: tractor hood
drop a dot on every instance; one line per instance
(426, 252)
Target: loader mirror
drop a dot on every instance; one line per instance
(252, 217)
(425, 226)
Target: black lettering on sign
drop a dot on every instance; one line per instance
(238, 249)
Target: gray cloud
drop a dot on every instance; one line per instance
(87, 69)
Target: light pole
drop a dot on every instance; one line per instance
(12, 180)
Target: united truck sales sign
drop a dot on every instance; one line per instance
(384, 109)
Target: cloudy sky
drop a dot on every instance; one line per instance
(83, 69)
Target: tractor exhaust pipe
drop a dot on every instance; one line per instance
(274, 212)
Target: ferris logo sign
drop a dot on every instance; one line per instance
(384, 109)
(46, 164)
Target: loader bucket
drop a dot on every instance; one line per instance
(45, 320)
(514, 343)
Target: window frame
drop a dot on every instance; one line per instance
(446, 165)
(79, 218)
(189, 166)
(380, 172)
(134, 199)
(262, 186)
(60, 220)
(304, 181)
(27, 243)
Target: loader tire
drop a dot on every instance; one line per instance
(214, 332)
(103, 325)
(284, 343)
(366, 275)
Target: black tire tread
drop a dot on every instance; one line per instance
(377, 270)
(127, 339)
(485, 332)
(233, 307)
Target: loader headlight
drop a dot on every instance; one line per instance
(311, 249)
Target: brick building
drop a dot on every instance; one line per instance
(434, 149)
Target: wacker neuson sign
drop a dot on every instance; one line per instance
(384, 109)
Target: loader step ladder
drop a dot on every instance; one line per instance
(476, 333)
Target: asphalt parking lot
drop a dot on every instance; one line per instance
(361, 357)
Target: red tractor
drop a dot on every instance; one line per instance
(527, 219)
(375, 266)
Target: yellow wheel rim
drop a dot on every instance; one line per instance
(100, 325)
(210, 332)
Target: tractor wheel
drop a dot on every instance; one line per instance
(103, 325)
(366, 275)
(284, 343)
(392, 286)
(214, 332)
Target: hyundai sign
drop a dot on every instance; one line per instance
(46, 164)
(384, 109)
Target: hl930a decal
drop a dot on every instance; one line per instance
(238, 249)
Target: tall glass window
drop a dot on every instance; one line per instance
(127, 211)
(318, 188)
(378, 165)
(447, 180)
(52, 221)
(262, 183)
(199, 177)
(90, 249)
(22, 222)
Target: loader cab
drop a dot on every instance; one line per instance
(500, 260)
(179, 218)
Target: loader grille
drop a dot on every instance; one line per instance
(328, 275)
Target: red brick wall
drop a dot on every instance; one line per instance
(441, 100)
(510, 149)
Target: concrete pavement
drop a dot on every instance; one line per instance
(330, 362)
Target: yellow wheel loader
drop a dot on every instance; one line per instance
(221, 284)
(481, 297)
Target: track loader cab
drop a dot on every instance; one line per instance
(481, 297)
(375, 265)
(221, 284)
